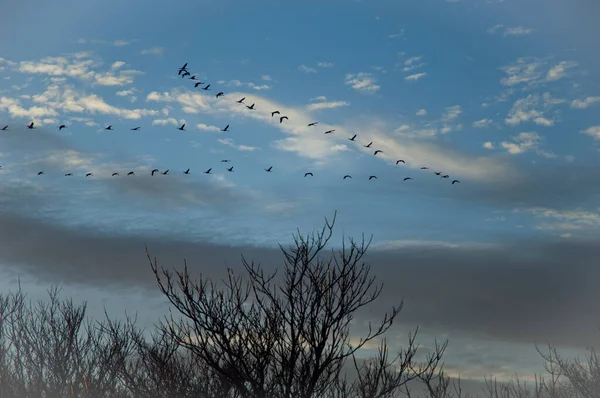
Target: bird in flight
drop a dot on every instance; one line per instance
(187, 171)
(207, 171)
(165, 172)
(368, 146)
(347, 176)
(108, 128)
(454, 181)
(250, 107)
(4, 128)
(407, 178)
(154, 171)
(186, 73)
(225, 161)
(183, 69)
(135, 129)
(62, 126)
(377, 151)
(281, 119)
(400, 161)
(40, 173)
(437, 173)
(89, 174)
(372, 177)
(308, 174)
(275, 113)
(182, 128)
(352, 138)
(220, 94)
(68, 174)
(115, 174)
(30, 126)
(230, 169)
(226, 128)
(445, 176)
(329, 131)
(206, 88)
(131, 173)
(424, 168)
(241, 101)
(269, 169)
(312, 124)
(197, 84)
(193, 78)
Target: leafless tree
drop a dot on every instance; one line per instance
(291, 338)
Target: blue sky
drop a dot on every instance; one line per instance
(501, 95)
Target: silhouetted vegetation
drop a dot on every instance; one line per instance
(256, 335)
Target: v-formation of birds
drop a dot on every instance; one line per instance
(183, 72)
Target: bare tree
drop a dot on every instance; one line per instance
(292, 338)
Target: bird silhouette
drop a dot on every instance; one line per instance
(400, 161)
(372, 177)
(312, 124)
(225, 161)
(241, 101)
(40, 173)
(226, 128)
(454, 181)
(186, 73)
(308, 174)
(207, 171)
(108, 128)
(329, 131)
(30, 126)
(193, 77)
(347, 176)
(377, 151)
(197, 84)
(187, 171)
(62, 126)
(165, 172)
(230, 169)
(368, 146)
(281, 119)
(183, 69)
(206, 88)
(68, 174)
(424, 168)
(445, 176)
(408, 178)
(4, 128)
(131, 173)
(135, 129)
(437, 173)
(269, 169)
(115, 174)
(275, 113)
(250, 107)
(154, 171)
(352, 138)
(182, 128)
(220, 94)
(89, 174)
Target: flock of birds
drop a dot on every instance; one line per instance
(184, 72)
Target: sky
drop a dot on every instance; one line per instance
(502, 96)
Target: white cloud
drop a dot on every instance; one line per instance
(307, 69)
(488, 145)
(127, 93)
(494, 28)
(238, 83)
(526, 110)
(560, 70)
(266, 78)
(229, 142)
(164, 122)
(451, 113)
(117, 65)
(564, 220)
(416, 76)
(593, 132)
(482, 123)
(396, 35)
(326, 105)
(522, 71)
(517, 31)
(319, 98)
(584, 102)
(525, 142)
(122, 43)
(159, 51)
(325, 64)
(205, 127)
(421, 112)
(412, 60)
(362, 81)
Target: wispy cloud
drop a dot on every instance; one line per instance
(517, 31)
(525, 142)
(238, 83)
(584, 102)
(416, 76)
(481, 123)
(593, 132)
(159, 51)
(307, 69)
(244, 148)
(362, 81)
(324, 64)
(532, 108)
(205, 127)
(560, 70)
(421, 112)
(326, 105)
